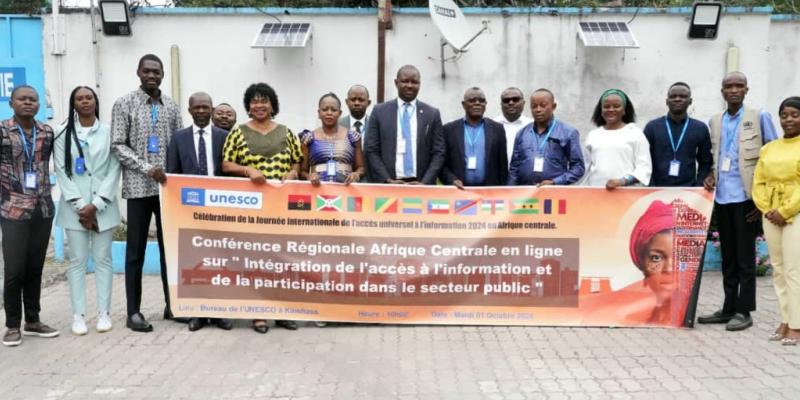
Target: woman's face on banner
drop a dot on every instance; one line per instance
(658, 267)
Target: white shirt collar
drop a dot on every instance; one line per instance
(206, 129)
(353, 122)
(401, 102)
(522, 120)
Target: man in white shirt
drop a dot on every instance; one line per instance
(512, 102)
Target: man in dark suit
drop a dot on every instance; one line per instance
(404, 142)
(357, 102)
(197, 150)
(475, 147)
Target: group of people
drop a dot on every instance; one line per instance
(402, 141)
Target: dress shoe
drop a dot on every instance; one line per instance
(739, 322)
(285, 324)
(38, 329)
(196, 324)
(260, 326)
(137, 323)
(717, 317)
(224, 323)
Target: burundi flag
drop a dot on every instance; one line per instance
(412, 205)
(466, 207)
(329, 203)
(438, 206)
(299, 202)
(492, 207)
(525, 206)
(385, 205)
(354, 204)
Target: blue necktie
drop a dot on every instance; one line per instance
(408, 157)
(202, 160)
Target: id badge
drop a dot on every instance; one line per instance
(472, 162)
(726, 164)
(30, 180)
(152, 144)
(674, 168)
(80, 166)
(330, 170)
(401, 147)
(538, 164)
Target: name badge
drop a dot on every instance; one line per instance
(80, 166)
(331, 168)
(472, 162)
(674, 168)
(726, 164)
(30, 180)
(538, 164)
(401, 147)
(152, 144)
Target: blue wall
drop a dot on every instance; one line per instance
(21, 59)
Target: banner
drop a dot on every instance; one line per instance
(434, 254)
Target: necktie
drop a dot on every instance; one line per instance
(358, 126)
(408, 158)
(202, 161)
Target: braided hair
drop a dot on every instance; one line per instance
(69, 129)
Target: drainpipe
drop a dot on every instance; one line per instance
(384, 23)
(175, 73)
(732, 63)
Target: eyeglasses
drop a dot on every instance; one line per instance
(511, 100)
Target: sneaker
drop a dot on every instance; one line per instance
(320, 324)
(38, 329)
(12, 337)
(79, 325)
(103, 322)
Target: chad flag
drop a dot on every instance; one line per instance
(299, 202)
(386, 205)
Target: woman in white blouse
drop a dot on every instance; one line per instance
(617, 152)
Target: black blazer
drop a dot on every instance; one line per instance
(496, 157)
(182, 155)
(381, 142)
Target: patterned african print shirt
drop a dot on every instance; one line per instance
(273, 154)
(17, 202)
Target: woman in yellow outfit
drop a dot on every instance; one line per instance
(776, 192)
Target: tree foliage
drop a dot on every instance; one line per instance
(22, 6)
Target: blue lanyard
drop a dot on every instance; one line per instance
(30, 152)
(675, 147)
(730, 134)
(473, 137)
(153, 118)
(540, 145)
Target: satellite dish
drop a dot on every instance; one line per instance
(451, 23)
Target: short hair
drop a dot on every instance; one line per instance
(201, 94)
(150, 57)
(358, 85)
(545, 90)
(14, 91)
(262, 90)
(793, 102)
(512, 88)
(331, 95)
(223, 104)
(734, 73)
(407, 67)
(630, 113)
(679, 83)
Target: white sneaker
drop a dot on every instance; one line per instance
(79, 325)
(103, 322)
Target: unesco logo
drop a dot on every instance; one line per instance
(221, 198)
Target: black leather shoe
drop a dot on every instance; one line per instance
(195, 324)
(224, 323)
(717, 317)
(739, 322)
(260, 326)
(290, 325)
(137, 323)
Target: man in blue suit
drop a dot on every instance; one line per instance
(197, 150)
(476, 147)
(404, 142)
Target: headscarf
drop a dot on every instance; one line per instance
(656, 219)
(617, 92)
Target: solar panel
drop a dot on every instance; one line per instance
(606, 34)
(283, 35)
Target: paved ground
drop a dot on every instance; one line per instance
(388, 362)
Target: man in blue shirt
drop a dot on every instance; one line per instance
(680, 147)
(475, 147)
(736, 139)
(547, 151)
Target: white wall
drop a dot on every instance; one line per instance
(528, 51)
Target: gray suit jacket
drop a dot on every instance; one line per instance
(345, 122)
(381, 143)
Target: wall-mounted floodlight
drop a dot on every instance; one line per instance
(116, 21)
(705, 20)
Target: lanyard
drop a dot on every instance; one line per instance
(540, 145)
(30, 152)
(675, 147)
(730, 134)
(153, 118)
(472, 135)
(78, 142)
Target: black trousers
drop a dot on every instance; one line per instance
(139, 213)
(737, 240)
(24, 251)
